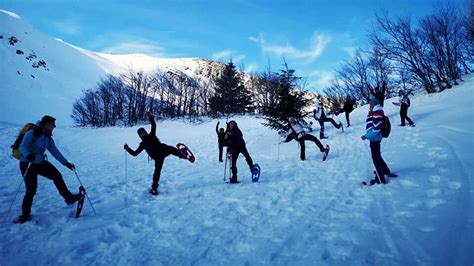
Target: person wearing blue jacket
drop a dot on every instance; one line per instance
(374, 135)
(33, 162)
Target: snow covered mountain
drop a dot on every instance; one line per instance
(299, 213)
(43, 75)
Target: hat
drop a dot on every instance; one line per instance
(141, 131)
(47, 119)
(374, 100)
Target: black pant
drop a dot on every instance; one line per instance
(221, 148)
(302, 146)
(45, 169)
(241, 148)
(380, 165)
(347, 112)
(404, 115)
(164, 151)
(321, 124)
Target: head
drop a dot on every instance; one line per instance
(232, 124)
(48, 123)
(400, 92)
(141, 132)
(373, 102)
(221, 130)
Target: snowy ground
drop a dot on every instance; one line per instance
(300, 213)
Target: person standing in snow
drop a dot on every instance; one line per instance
(297, 131)
(220, 140)
(236, 146)
(33, 162)
(404, 103)
(155, 149)
(378, 93)
(347, 109)
(321, 117)
(374, 135)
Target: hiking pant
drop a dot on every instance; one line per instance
(321, 124)
(380, 165)
(164, 151)
(347, 117)
(404, 115)
(302, 146)
(30, 175)
(221, 148)
(241, 148)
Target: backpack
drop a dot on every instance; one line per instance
(386, 127)
(15, 147)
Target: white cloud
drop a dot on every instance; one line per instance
(351, 51)
(142, 46)
(69, 27)
(222, 55)
(320, 78)
(318, 43)
(251, 68)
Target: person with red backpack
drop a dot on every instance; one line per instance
(373, 133)
(33, 162)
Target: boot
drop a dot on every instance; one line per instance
(233, 180)
(23, 219)
(72, 198)
(153, 191)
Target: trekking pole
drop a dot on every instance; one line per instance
(85, 193)
(376, 173)
(225, 164)
(126, 173)
(14, 198)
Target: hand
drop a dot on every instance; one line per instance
(30, 157)
(363, 137)
(69, 165)
(149, 115)
(125, 146)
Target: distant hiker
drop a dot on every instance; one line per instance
(373, 134)
(321, 117)
(378, 93)
(155, 149)
(404, 103)
(33, 162)
(347, 109)
(220, 140)
(236, 146)
(298, 130)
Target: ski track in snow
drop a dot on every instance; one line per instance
(299, 213)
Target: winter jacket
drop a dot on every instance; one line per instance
(374, 124)
(220, 136)
(319, 111)
(150, 143)
(37, 145)
(349, 105)
(300, 128)
(235, 137)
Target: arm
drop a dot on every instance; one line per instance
(25, 143)
(132, 152)
(217, 127)
(370, 89)
(55, 152)
(153, 124)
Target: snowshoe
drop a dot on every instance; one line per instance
(255, 172)
(187, 154)
(22, 219)
(153, 191)
(325, 153)
(392, 175)
(80, 201)
(72, 198)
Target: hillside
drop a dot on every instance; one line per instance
(300, 213)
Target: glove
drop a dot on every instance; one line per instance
(30, 157)
(70, 166)
(125, 146)
(363, 138)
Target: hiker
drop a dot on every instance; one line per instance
(347, 109)
(379, 93)
(155, 149)
(373, 134)
(404, 103)
(297, 131)
(33, 162)
(236, 146)
(321, 117)
(220, 140)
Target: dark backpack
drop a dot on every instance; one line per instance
(15, 151)
(386, 127)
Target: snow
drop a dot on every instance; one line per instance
(299, 213)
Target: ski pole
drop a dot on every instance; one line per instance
(85, 193)
(14, 198)
(225, 164)
(126, 174)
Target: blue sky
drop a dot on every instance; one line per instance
(315, 37)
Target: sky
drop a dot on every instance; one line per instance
(314, 37)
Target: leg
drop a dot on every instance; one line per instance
(333, 122)
(315, 140)
(31, 184)
(321, 130)
(347, 119)
(49, 171)
(221, 148)
(407, 118)
(235, 155)
(302, 149)
(247, 157)
(380, 166)
(156, 175)
(167, 150)
(403, 113)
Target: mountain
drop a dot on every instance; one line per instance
(43, 75)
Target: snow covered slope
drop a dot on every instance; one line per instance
(42, 75)
(300, 213)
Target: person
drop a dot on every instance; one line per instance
(347, 109)
(404, 103)
(155, 149)
(33, 162)
(374, 135)
(298, 131)
(321, 117)
(236, 146)
(378, 93)
(220, 140)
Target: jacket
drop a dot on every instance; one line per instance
(37, 146)
(374, 124)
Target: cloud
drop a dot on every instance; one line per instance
(318, 44)
(69, 27)
(226, 55)
(140, 46)
(320, 78)
(350, 50)
(251, 68)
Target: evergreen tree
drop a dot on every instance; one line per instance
(290, 101)
(230, 95)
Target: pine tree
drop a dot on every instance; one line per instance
(231, 96)
(290, 101)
